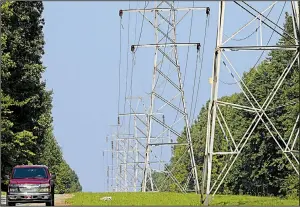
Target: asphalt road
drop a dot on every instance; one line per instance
(59, 198)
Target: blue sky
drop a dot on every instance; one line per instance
(82, 54)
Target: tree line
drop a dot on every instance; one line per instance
(26, 120)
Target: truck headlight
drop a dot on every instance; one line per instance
(44, 188)
(13, 188)
(45, 185)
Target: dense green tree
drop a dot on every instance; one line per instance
(26, 121)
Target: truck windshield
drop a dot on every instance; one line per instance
(21, 173)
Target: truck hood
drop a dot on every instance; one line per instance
(29, 181)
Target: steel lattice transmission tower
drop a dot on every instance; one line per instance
(163, 130)
(136, 146)
(128, 149)
(116, 172)
(236, 144)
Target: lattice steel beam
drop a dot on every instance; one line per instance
(255, 107)
(160, 11)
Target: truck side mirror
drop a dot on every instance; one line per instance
(53, 176)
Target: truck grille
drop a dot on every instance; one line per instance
(29, 188)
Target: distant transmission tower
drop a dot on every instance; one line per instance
(287, 145)
(163, 130)
(115, 172)
(128, 149)
(136, 145)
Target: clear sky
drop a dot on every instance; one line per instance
(82, 54)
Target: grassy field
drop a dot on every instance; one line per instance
(139, 199)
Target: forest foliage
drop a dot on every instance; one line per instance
(26, 120)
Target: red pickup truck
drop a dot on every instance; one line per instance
(30, 184)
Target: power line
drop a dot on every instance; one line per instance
(201, 65)
(187, 59)
(247, 37)
(128, 142)
(194, 85)
(195, 76)
(187, 56)
(141, 31)
(127, 63)
(133, 60)
(120, 62)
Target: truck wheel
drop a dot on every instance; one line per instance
(51, 203)
(53, 196)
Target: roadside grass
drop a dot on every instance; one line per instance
(230, 200)
(142, 199)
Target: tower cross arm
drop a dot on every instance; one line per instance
(166, 45)
(266, 47)
(164, 9)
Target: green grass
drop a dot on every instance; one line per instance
(253, 201)
(140, 199)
